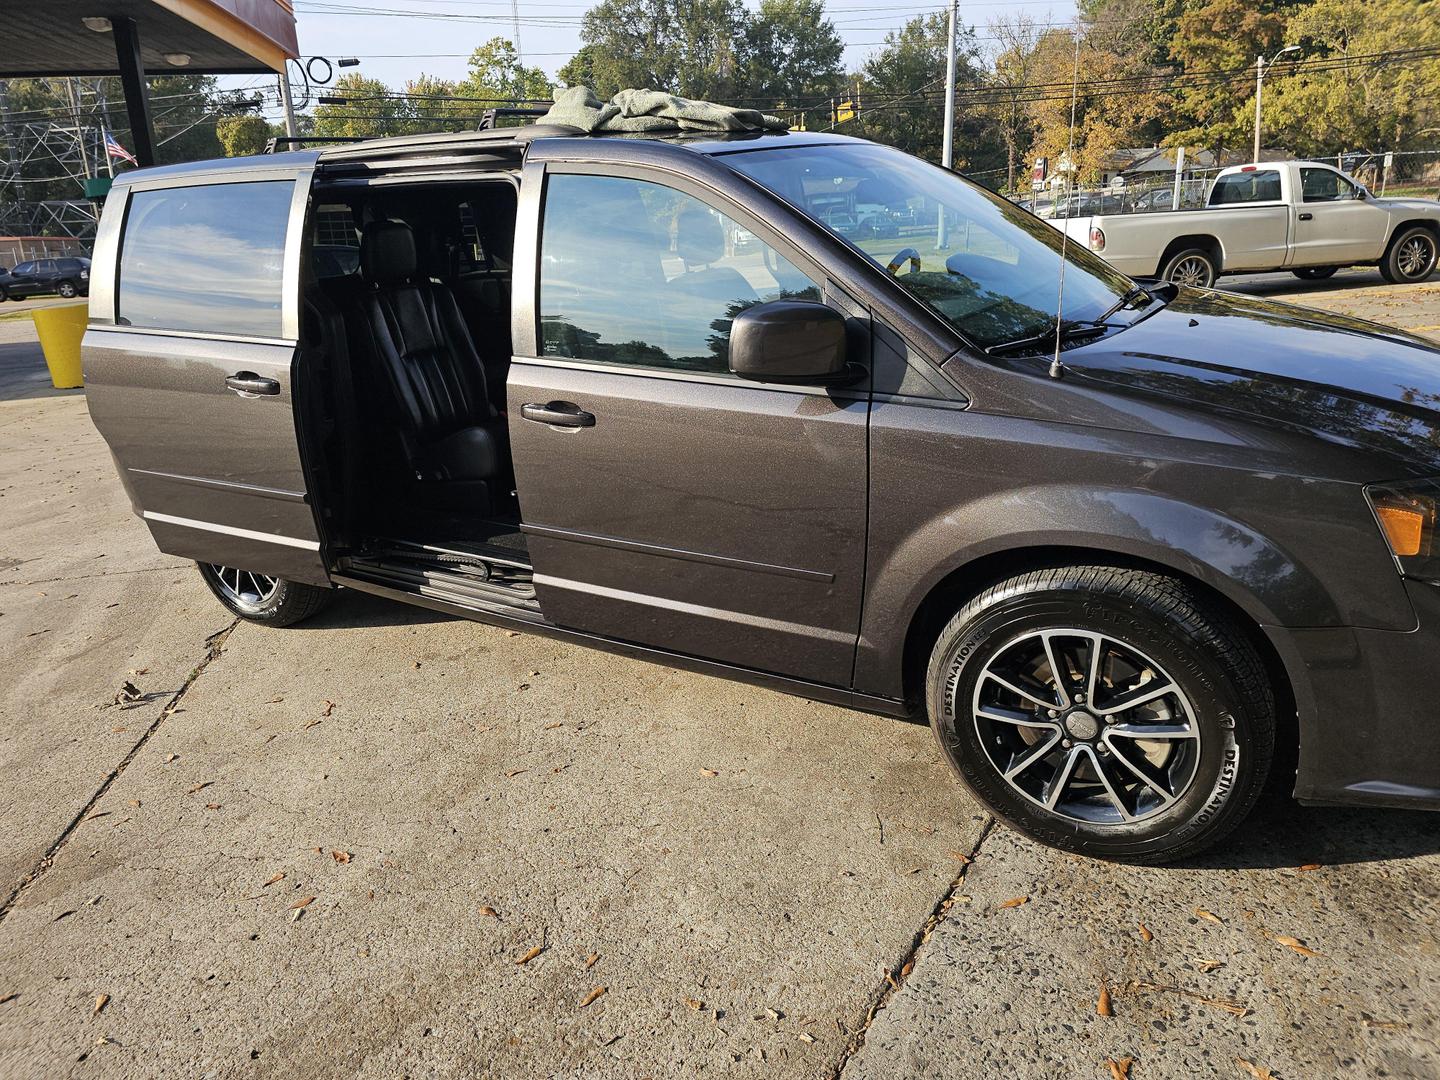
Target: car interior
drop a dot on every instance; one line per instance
(406, 333)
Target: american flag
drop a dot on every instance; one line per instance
(115, 150)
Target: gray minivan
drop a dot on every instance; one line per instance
(1132, 547)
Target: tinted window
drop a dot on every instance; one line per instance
(638, 273)
(205, 258)
(1262, 186)
(1325, 185)
(978, 261)
(25, 268)
(47, 266)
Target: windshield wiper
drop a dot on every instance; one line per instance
(1139, 292)
(1068, 332)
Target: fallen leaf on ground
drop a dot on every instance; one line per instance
(8, 998)
(1145, 934)
(170, 757)
(530, 955)
(489, 912)
(1103, 1006)
(1296, 944)
(303, 902)
(1207, 966)
(200, 786)
(416, 665)
(1119, 1070)
(135, 803)
(806, 1037)
(1257, 1071)
(309, 724)
(557, 723)
(127, 693)
(591, 960)
(515, 772)
(329, 708)
(274, 880)
(212, 806)
(1015, 902)
(1377, 1025)
(593, 995)
(100, 1002)
(695, 1003)
(961, 858)
(340, 856)
(275, 700)
(1308, 867)
(709, 772)
(1209, 916)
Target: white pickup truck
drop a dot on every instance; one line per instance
(1301, 216)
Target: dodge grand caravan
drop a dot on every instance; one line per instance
(642, 394)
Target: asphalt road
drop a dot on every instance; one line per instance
(323, 851)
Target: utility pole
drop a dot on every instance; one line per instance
(285, 99)
(947, 144)
(1259, 89)
(79, 130)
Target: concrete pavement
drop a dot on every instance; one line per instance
(762, 886)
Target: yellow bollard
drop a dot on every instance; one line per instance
(60, 329)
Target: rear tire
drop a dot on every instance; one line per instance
(1077, 763)
(67, 289)
(1411, 256)
(1194, 267)
(1315, 273)
(259, 598)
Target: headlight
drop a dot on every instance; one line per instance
(1406, 513)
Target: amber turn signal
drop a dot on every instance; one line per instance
(1404, 528)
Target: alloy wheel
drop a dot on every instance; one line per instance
(1415, 256)
(245, 587)
(1191, 270)
(1086, 726)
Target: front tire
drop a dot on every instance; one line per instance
(1315, 273)
(259, 598)
(1411, 256)
(1109, 712)
(1194, 267)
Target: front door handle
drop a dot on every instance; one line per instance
(558, 414)
(1306, 217)
(248, 384)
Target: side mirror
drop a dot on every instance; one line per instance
(1361, 192)
(789, 341)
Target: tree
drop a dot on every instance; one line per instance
(243, 135)
(370, 109)
(1354, 103)
(497, 73)
(792, 52)
(687, 47)
(1016, 37)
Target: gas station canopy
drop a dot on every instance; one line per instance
(138, 38)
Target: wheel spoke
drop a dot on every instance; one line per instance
(1148, 691)
(1040, 750)
(1151, 731)
(1026, 694)
(1014, 716)
(1092, 680)
(1061, 780)
(1110, 783)
(1146, 773)
(1057, 675)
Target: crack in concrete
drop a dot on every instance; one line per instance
(900, 971)
(215, 644)
(89, 577)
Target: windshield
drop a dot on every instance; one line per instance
(985, 265)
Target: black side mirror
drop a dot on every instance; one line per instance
(789, 341)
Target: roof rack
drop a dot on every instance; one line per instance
(490, 116)
(291, 142)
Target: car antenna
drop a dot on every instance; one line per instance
(1057, 369)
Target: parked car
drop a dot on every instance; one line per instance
(1301, 216)
(1129, 555)
(66, 277)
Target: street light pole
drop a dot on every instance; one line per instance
(1260, 66)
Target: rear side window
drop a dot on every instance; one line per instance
(1259, 186)
(205, 258)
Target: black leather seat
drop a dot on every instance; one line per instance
(412, 331)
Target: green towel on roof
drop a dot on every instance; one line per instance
(650, 110)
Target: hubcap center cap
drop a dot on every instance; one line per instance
(1081, 725)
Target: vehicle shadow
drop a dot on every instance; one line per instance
(352, 610)
(1281, 833)
(1286, 285)
(23, 373)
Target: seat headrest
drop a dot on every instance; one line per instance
(387, 252)
(699, 236)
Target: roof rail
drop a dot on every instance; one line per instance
(290, 142)
(489, 117)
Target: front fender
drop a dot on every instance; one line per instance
(1272, 585)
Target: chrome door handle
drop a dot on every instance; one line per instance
(248, 384)
(558, 414)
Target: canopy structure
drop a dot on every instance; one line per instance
(133, 38)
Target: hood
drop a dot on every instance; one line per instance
(1424, 207)
(1345, 380)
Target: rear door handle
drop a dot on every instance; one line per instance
(558, 414)
(1306, 217)
(248, 384)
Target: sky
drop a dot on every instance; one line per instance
(398, 39)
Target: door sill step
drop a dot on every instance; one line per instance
(472, 575)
